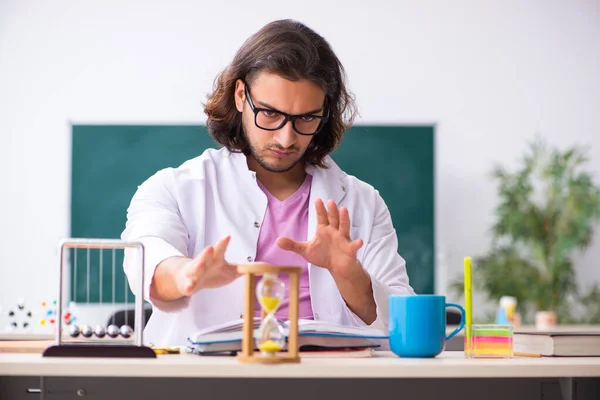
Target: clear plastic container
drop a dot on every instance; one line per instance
(489, 341)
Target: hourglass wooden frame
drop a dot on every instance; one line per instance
(248, 355)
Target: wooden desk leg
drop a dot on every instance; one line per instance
(42, 389)
(566, 388)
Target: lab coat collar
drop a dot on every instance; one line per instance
(328, 183)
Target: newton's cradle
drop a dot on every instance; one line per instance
(83, 340)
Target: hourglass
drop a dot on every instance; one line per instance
(270, 338)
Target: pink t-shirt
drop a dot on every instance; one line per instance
(288, 218)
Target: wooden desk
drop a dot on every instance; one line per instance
(449, 376)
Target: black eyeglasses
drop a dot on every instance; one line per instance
(272, 120)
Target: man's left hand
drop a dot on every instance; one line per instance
(332, 248)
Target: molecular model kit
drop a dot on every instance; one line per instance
(19, 318)
(84, 330)
(49, 317)
(40, 319)
(22, 319)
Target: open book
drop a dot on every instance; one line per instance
(556, 344)
(312, 335)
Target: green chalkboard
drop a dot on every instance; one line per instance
(110, 161)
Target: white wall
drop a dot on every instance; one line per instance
(491, 74)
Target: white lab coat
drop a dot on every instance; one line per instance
(179, 211)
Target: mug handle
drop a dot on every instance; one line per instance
(462, 320)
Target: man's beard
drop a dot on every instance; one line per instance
(261, 160)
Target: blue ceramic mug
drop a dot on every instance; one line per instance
(417, 324)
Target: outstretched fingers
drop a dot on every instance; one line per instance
(345, 223)
(333, 214)
(322, 218)
(194, 270)
(355, 245)
(201, 262)
(292, 245)
(220, 248)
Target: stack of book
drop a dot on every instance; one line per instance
(313, 336)
(562, 343)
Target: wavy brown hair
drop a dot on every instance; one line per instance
(293, 51)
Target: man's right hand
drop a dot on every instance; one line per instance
(178, 277)
(208, 270)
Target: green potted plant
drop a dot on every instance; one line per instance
(546, 213)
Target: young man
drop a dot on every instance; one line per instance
(270, 194)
